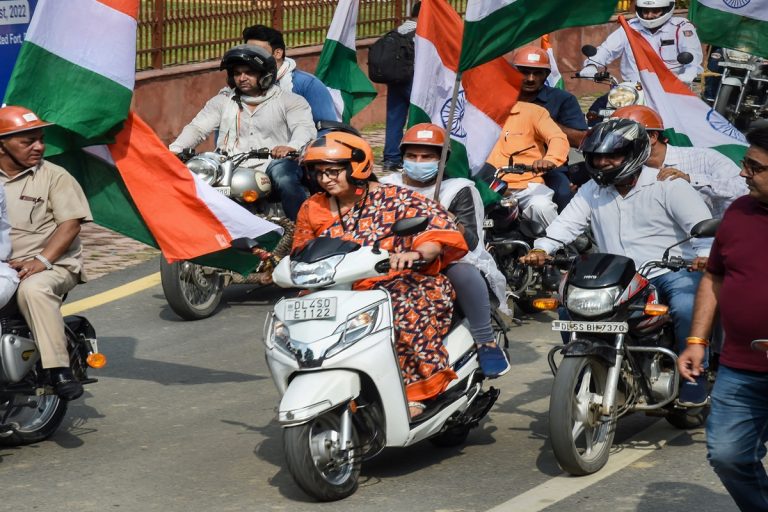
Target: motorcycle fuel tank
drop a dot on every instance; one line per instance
(601, 270)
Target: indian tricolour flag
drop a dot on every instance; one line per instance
(338, 69)
(555, 79)
(486, 95)
(688, 121)
(738, 24)
(495, 27)
(76, 69)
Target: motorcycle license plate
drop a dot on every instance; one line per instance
(223, 190)
(310, 309)
(596, 327)
(487, 223)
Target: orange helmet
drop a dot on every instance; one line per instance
(340, 147)
(531, 57)
(646, 116)
(424, 134)
(19, 119)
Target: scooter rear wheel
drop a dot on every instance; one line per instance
(581, 438)
(316, 462)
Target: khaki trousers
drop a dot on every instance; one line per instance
(39, 298)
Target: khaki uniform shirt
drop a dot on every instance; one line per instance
(39, 199)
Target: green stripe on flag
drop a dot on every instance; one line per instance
(338, 69)
(457, 165)
(521, 22)
(734, 152)
(728, 30)
(81, 101)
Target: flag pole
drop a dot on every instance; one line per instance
(447, 142)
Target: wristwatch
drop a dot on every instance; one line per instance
(42, 259)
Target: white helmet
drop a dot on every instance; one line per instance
(668, 5)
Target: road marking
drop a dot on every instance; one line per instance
(111, 295)
(560, 487)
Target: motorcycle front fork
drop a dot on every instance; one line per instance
(612, 381)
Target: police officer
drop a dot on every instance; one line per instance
(668, 35)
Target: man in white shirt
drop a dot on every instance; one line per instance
(714, 176)
(668, 35)
(634, 214)
(256, 113)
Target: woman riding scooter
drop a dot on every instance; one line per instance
(354, 207)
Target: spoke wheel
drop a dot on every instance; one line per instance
(193, 291)
(581, 438)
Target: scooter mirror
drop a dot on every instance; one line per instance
(705, 229)
(685, 58)
(588, 50)
(532, 229)
(411, 226)
(761, 345)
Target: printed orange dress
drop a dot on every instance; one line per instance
(422, 301)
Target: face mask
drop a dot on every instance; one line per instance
(420, 171)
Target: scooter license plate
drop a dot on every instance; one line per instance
(310, 309)
(596, 327)
(223, 190)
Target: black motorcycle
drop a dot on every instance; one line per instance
(619, 359)
(30, 410)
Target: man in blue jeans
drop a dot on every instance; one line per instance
(735, 283)
(635, 215)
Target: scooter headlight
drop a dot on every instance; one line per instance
(319, 273)
(591, 302)
(622, 96)
(358, 325)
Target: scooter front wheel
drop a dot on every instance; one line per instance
(581, 438)
(317, 461)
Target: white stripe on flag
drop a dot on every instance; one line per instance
(755, 9)
(343, 28)
(479, 9)
(88, 34)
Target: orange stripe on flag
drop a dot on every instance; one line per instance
(439, 23)
(648, 60)
(545, 44)
(164, 191)
(129, 7)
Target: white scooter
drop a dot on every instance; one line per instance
(332, 357)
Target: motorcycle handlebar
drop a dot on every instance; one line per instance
(383, 267)
(265, 153)
(514, 169)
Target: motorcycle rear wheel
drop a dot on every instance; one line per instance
(36, 418)
(310, 452)
(193, 292)
(580, 439)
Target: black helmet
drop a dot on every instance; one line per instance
(616, 136)
(255, 57)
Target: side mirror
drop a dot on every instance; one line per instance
(411, 226)
(705, 229)
(532, 229)
(685, 58)
(590, 51)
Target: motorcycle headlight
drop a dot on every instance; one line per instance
(591, 302)
(358, 325)
(737, 56)
(622, 96)
(319, 273)
(206, 167)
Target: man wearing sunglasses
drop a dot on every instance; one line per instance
(46, 207)
(735, 283)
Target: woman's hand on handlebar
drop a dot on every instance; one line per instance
(403, 260)
(535, 258)
(282, 151)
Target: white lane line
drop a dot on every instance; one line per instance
(560, 487)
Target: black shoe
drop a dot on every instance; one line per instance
(65, 384)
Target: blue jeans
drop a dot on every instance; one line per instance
(285, 175)
(737, 430)
(398, 101)
(678, 291)
(557, 180)
(473, 297)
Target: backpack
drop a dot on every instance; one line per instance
(390, 59)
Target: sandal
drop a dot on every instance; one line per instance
(415, 409)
